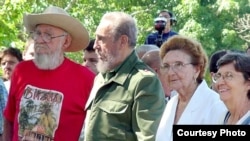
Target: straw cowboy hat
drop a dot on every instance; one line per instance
(58, 17)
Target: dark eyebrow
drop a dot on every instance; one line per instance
(227, 72)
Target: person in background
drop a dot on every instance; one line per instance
(9, 58)
(141, 50)
(184, 62)
(153, 60)
(127, 99)
(90, 57)
(166, 19)
(28, 52)
(213, 64)
(233, 84)
(48, 93)
(248, 50)
(3, 100)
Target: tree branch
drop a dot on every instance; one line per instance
(242, 27)
(70, 5)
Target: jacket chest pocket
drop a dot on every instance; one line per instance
(113, 107)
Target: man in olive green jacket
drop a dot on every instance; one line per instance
(127, 100)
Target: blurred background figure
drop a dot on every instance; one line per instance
(248, 50)
(28, 52)
(3, 101)
(90, 58)
(213, 64)
(162, 24)
(9, 58)
(153, 60)
(184, 62)
(233, 84)
(141, 50)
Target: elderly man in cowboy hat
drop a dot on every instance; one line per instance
(48, 94)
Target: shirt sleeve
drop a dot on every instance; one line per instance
(3, 100)
(148, 108)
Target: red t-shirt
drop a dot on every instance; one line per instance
(48, 104)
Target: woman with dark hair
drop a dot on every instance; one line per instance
(213, 64)
(233, 84)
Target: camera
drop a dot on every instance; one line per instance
(159, 25)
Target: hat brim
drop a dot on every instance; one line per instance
(80, 36)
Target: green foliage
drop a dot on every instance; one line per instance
(209, 21)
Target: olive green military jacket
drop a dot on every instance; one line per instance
(126, 107)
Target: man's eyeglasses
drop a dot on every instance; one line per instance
(45, 36)
(177, 66)
(226, 77)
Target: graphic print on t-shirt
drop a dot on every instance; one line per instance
(39, 114)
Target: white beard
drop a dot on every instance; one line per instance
(107, 61)
(103, 66)
(48, 61)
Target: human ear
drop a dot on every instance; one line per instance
(124, 40)
(67, 42)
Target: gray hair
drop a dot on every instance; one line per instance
(141, 50)
(123, 24)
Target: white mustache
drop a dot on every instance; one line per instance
(39, 46)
